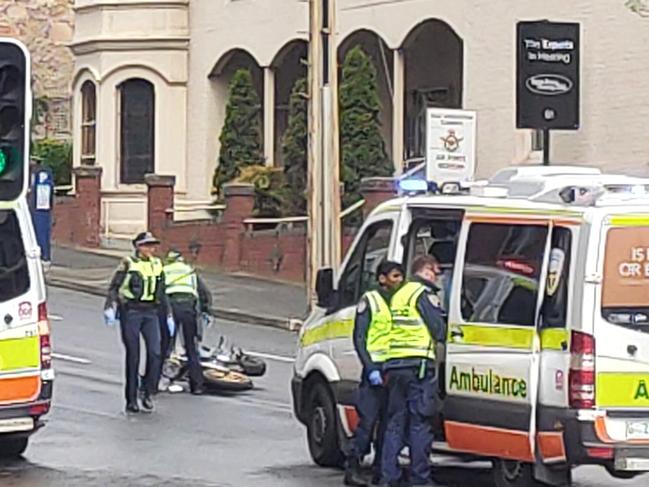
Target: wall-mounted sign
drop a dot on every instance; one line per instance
(547, 93)
(450, 145)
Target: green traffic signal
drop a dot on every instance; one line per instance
(3, 162)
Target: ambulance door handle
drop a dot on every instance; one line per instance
(457, 334)
(564, 345)
(632, 349)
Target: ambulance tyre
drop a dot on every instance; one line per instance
(322, 429)
(510, 473)
(13, 447)
(620, 474)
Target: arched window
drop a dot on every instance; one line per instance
(88, 122)
(137, 112)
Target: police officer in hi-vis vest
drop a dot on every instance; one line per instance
(183, 288)
(371, 341)
(418, 324)
(137, 290)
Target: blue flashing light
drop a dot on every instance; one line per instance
(413, 185)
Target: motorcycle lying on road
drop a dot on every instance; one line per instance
(226, 368)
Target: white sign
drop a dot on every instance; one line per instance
(450, 145)
(43, 196)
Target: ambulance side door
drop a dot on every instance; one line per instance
(375, 244)
(490, 353)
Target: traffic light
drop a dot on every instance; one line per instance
(15, 112)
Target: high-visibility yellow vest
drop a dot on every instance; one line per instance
(180, 278)
(409, 337)
(378, 334)
(141, 281)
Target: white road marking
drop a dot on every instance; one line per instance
(70, 358)
(270, 356)
(55, 317)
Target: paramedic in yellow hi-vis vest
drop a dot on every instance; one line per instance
(183, 288)
(418, 323)
(371, 334)
(137, 290)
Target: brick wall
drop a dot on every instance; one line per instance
(229, 243)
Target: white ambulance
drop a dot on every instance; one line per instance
(546, 283)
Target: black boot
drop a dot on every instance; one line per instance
(147, 403)
(132, 407)
(353, 474)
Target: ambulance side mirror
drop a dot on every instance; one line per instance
(324, 287)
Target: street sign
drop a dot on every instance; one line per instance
(450, 145)
(15, 113)
(547, 93)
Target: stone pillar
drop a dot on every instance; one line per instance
(240, 202)
(375, 191)
(87, 222)
(160, 199)
(398, 84)
(269, 115)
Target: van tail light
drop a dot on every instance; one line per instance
(582, 371)
(45, 337)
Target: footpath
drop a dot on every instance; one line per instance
(236, 297)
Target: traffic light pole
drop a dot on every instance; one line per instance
(324, 234)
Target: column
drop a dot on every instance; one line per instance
(269, 115)
(398, 90)
(160, 199)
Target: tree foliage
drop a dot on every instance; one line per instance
(294, 150)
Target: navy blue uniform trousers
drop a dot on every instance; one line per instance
(411, 406)
(371, 404)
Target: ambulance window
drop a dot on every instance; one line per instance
(360, 273)
(501, 274)
(555, 305)
(14, 273)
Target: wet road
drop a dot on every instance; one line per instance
(247, 440)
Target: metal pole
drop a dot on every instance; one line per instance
(546, 147)
(313, 229)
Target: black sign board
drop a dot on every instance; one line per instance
(547, 92)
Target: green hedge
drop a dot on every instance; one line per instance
(57, 155)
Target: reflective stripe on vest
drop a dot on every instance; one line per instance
(409, 337)
(180, 278)
(378, 334)
(148, 272)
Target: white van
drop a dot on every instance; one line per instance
(26, 375)
(546, 283)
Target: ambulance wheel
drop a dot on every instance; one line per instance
(511, 473)
(12, 448)
(621, 474)
(322, 430)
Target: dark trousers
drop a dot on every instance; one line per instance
(136, 322)
(186, 318)
(167, 341)
(370, 405)
(411, 406)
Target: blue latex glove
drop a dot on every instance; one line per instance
(375, 378)
(171, 325)
(110, 317)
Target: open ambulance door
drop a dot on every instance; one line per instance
(493, 345)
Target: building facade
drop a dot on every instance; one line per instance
(151, 77)
(46, 27)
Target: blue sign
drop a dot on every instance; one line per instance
(41, 202)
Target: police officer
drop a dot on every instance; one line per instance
(183, 288)
(417, 324)
(371, 333)
(137, 290)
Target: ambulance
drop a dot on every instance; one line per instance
(546, 286)
(26, 374)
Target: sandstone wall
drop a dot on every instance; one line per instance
(46, 27)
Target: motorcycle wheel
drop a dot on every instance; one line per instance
(218, 380)
(252, 366)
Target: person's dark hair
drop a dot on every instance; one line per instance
(388, 266)
(423, 261)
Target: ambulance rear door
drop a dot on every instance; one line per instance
(493, 349)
